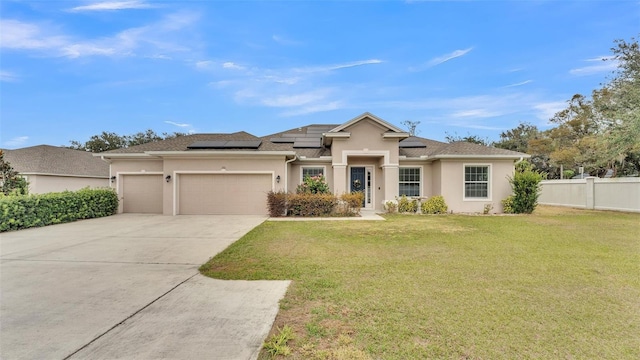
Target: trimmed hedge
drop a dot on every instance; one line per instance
(21, 212)
(311, 204)
(434, 205)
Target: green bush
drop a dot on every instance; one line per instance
(406, 205)
(21, 212)
(434, 205)
(507, 205)
(277, 203)
(306, 204)
(526, 188)
(391, 206)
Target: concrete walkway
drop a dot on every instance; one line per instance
(128, 287)
(366, 215)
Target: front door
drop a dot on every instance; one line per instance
(361, 178)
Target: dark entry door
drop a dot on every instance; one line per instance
(358, 181)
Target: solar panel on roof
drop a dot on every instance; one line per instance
(307, 143)
(243, 144)
(411, 143)
(282, 140)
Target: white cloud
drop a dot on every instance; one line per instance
(16, 141)
(295, 99)
(232, 65)
(161, 37)
(605, 64)
(337, 66)
(24, 36)
(177, 124)
(113, 5)
(8, 76)
(203, 65)
(519, 84)
(546, 110)
(442, 59)
(476, 113)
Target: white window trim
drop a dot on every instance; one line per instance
(421, 176)
(489, 181)
(324, 170)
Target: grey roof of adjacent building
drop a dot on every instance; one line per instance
(304, 135)
(53, 160)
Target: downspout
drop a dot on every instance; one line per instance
(108, 162)
(286, 172)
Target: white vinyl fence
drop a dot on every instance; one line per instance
(621, 194)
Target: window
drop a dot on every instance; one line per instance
(409, 184)
(312, 171)
(476, 181)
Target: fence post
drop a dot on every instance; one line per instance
(590, 192)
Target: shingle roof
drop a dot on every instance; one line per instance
(432, 147)
(181, 143)
(47, 159)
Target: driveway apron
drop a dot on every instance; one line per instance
(127, 286)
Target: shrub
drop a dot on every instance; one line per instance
(311, 204)
(406, 205)
(507, 205)
(434, 205)
(277, 203)
(313, 185)
(526, 188)
(352, 202)
(391, 206)
(21, 212)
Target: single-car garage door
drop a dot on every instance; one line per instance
(142, 194)
(217, 194)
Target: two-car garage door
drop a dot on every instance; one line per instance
(200, 194)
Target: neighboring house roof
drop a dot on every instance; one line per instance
(306, 142)
(53, 160)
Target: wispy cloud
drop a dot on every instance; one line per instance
(604, 64)
(182, 125)
(546, 110)
(519, 84)
(442, 59)
(285, 41)
(113, 5)
(16, 141)
(232, 65)
(8, 76)
(338, 66)
(161, 37)
(476, 113)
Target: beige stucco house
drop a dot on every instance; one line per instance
(232, 173)
(53, 169)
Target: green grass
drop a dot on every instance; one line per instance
(558, 284)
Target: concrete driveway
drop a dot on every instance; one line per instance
(127, 286)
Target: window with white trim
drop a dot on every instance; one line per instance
(476, 181)
(409, 181)
(312, 171)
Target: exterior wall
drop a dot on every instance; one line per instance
(426, 177)
(452, 184)
(366, 146)
(621, 194)
(40, 184)
(295, 173)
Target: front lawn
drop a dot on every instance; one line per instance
(558, 284)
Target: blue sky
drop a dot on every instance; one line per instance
(72, 69)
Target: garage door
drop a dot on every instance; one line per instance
(232, 194)
(142, 194)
